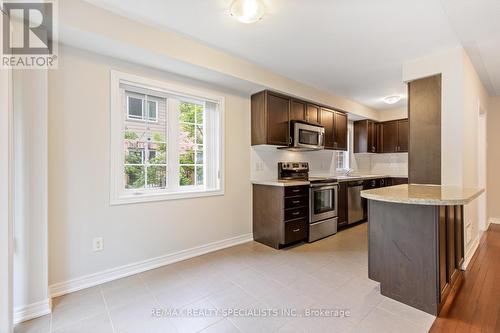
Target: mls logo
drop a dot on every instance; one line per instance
(28, 35)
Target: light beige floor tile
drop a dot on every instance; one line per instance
(198, 316)
(223, 326)
(124, 291)
(407, 312)
(383, 321)
(232, 297)
(98, 324)
(85, 295)
(76, 307)
(138, 317)
(37, 325)
(255, 323)
(309, 325)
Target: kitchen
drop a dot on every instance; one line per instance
(322, 143)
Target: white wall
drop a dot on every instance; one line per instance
(392, 114)
(30, 193)
(493, 160)
(79, 177)
(6, 243)
(462, 93)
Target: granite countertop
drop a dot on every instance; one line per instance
(275, 182)
(424, 194)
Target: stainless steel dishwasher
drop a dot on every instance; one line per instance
(355, 211)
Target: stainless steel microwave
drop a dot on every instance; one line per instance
(306, 136)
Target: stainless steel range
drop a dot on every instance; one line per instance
(323, 198)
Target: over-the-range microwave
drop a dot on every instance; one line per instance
(306, 136)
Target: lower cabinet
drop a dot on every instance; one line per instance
(280, 214)
(451, 248)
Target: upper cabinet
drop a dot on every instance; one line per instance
(270, 119)
(313, 113)
(366, 138)
(335, 124)
(385, 137)
(272, 113)
(394, 136)
(327, 121)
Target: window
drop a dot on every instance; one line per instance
(166, 141)
(342, 158)
(141, 107)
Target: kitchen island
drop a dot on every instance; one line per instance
(416, 241)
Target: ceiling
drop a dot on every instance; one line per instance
(351, 48)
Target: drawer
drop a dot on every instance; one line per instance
(293, 191)
(295, 231)
(296, 202)
(296, 213)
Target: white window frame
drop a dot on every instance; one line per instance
(118, 194)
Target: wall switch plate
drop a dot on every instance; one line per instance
(97, 244)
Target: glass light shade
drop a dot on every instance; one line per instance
(247, 11)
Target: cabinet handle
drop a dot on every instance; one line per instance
(295, 213)
(295, 191)
(296, 201)
(296, 230)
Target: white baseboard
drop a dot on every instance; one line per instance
(470, 253)
(494, 220)
(95, 279)
(31, 311)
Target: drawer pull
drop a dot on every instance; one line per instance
(296, 190)
(295, 213)
(296, 201)
(296, 230)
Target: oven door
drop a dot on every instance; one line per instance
(308, 136)
(323, 203)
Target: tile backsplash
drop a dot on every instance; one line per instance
(265, 160)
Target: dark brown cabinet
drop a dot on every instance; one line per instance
(342, 202)
(365, 136)
(340, 131)
(451, 247)
(394, 136)
(280, 214)
(335, 124)
(272, 113)
(327, 121)
(297, 110)
(270, 119)
(313, 113)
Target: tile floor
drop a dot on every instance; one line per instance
(328, 274)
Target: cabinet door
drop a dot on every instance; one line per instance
(459, 237)
(278, 108)
(327, 120)
(403, 135)
(297, 110)
(342, 200)
(361, 136)
(372, 137)
(313, 113)
(451, 243)
(340, 131)
(389, 137)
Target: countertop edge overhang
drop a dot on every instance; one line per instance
(431, 195)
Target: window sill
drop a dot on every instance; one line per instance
(126, 199)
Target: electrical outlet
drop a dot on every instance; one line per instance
(97, 244)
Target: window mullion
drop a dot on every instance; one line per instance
(173, 143)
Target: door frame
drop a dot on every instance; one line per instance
(6, 204)
(482, 165)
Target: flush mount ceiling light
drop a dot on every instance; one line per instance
(392, 99)
(247, 11)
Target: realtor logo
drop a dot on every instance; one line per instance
(29, 35)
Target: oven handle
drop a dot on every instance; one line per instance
(324, 186)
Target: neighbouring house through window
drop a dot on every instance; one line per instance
(166, 144)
